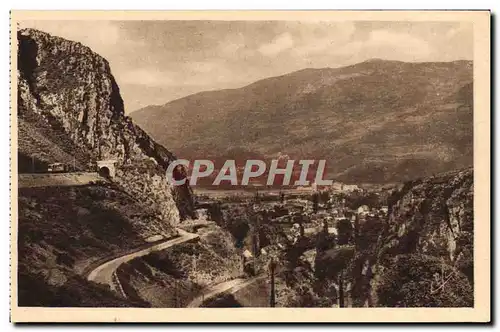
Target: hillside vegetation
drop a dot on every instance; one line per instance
(65, 231)
(174, 277)
(429, 239)
(70, 111)
(376, 121)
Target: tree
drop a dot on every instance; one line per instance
(356, 230)
(315, 200)
(344, 232)
(369, 232)
(214, 212)
(423, 281)
(340, 284)
(299, 219)
(324, 196)
(324, 240)
(331, 264)
(257, 197)
(272, 267)
(357, 198)
(255, 230)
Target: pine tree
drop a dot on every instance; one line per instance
(315, 199)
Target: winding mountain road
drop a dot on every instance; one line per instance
(106, 272)
(230, 286)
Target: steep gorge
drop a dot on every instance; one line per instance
(66, 85)
(70, 111)
(429, 237)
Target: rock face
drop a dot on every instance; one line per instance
(429, 235)
(68, 86)
(434, 217)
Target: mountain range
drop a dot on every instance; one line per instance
(377, 121)
(70, 111)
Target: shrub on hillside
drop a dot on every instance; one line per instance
(423, 281)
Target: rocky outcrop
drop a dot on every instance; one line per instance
(425, 253)
(434, 217)
(71, 88)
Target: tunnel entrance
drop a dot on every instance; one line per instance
(104, 172)
(106, 168)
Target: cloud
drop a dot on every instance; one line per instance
(95, 34)
(203, 66)
(145, 76)
(461, 28)
(388, 45)
(322, 37)
(103, 37)
(229, 49)
(208, 73)
(231, 44)
(277, 45)
(157, 61)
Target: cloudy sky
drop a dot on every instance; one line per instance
(158, 61)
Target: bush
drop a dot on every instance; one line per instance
(331, 262)
(423, 281)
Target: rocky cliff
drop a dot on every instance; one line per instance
(425, 254)
(67, 87)
(434, 216)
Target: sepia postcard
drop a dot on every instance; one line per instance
(250, 166)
